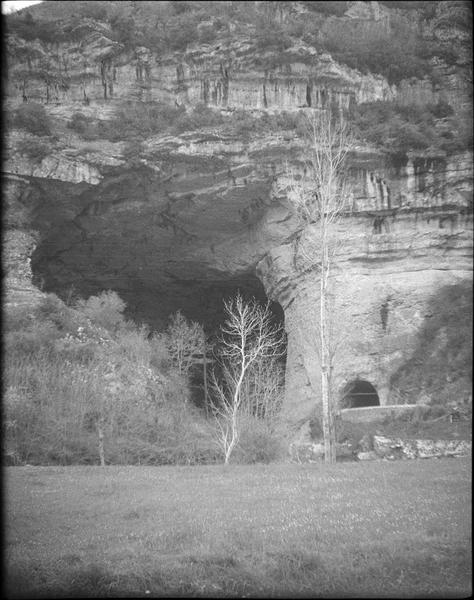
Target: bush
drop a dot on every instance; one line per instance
(181, 30)
(35, 150)
(206, 33)
(257, 443)
(412, 127)
(200, 116)
(396, 54)
(24, 26)
(441, 365)
(52, 309)
(270, 36)
(336, 8)
(138, 120)
(32, 117)
(105, 310)
(35, 338)
(36, 330)
(83, 125)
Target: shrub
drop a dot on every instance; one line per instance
(132, 153)
(270, 36)
(26, 27)
(337, 8)
(52, 309)
(159, 354)
(412, 127)
(200, 116)
(35, 330)
(257, 443)
(396, 54)
(206, 33)
(138, 120)
(32, 117)
(84, 125)
(35, 150)
(105, 310)
(181, 30)
(441, 365)
(33, 339)
(124, 30)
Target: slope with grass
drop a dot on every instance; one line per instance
(373, 530)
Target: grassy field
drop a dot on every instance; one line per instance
(393, 529)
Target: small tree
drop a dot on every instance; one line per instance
(318, 199)
(185, 342)
(248, 335)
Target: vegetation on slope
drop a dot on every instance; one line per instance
(402, 128)
(441, 365)
(83, 384)
(396, 52)
(394, 49)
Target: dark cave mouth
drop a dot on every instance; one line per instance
(359, 393)
(196, 290)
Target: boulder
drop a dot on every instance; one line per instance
(369, 455)
(365, 444)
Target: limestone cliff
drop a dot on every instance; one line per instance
(187, 216)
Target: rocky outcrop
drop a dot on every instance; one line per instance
(398, 449)
(384, 449)
(198, 215)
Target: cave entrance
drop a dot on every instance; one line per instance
(359, 393)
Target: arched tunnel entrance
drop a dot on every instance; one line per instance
(359, 393)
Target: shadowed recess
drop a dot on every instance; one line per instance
(359, 393)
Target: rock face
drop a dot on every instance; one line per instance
(384, 448)
(200, 214)
(393, 449)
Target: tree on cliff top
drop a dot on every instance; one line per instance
(318, 198)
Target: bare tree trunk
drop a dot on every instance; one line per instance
(204, 374)
(233, 439)
(319, 197)
(100, 432)
(328, 429)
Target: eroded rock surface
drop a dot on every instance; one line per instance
(199, 214)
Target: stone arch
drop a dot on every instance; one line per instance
(359, 393)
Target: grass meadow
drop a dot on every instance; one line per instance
(379, 529)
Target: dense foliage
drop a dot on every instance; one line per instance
(396, 128)
(397, 52)
(33, 118)
(441, 365)
(400, 128)
(72, 370)
(81, 381)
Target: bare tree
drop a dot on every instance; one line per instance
(318, 198)
(185, 342)
(248, 335)
(263, 390)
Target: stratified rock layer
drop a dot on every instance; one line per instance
(200, 214)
